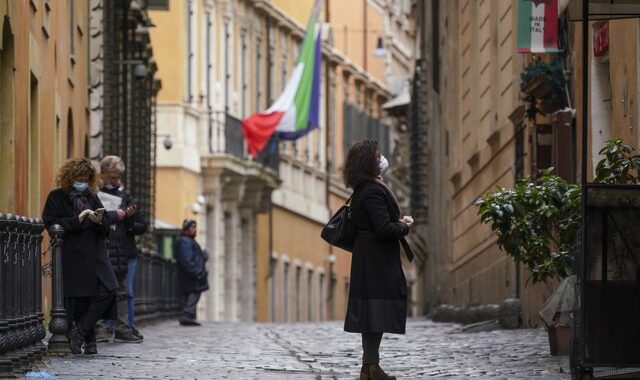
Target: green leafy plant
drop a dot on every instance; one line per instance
(619, 165)
(553, 79)
(537, 223)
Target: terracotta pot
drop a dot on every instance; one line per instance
(559, 338)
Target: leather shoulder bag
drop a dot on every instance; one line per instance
(340, 231)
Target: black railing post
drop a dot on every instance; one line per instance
(6, 367)
(12, 310)
(58, 343)
(39, 331)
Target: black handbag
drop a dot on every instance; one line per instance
(340, 231)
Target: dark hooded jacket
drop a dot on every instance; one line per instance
(192, 274)
(121, 244)
(378, 288)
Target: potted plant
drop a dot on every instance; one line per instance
(537, 222)
(543, 86)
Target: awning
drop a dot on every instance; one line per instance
(401, 100)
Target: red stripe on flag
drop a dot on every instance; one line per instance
(258, 129)
(550, 39)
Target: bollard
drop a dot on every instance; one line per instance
(58, 343)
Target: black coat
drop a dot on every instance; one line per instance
(121, 244)
(84, 251)
(378, 288)
(192, 274)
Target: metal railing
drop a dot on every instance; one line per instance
(156, 288)
(21, 327)
(21, 318)
(234, 141)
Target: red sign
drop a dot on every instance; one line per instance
(601, 40)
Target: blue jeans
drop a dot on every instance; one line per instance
(131, 277)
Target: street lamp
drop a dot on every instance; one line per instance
(380, 51)
(139, 71)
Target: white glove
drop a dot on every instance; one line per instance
(84, 214)
(95, 217)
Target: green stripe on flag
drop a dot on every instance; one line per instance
(524, 24)
(302, 98)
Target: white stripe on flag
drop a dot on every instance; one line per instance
(285, 101)
(537, 28)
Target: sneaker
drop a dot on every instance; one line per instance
(188, 322)
(126, 336)
(136, 333)
(103, 335)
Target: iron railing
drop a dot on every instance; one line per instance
(234, 141)
(21, 317)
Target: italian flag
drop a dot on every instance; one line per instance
(296, 112)
(538, 26)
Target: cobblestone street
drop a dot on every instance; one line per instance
(315, 351)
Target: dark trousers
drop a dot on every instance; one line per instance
(88, 310)
(371, 347)
(190, 301)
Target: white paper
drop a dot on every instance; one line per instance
(110, 202)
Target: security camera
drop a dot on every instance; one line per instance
(167, 143)
(140, 71)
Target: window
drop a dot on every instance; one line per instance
(284, 61)
(70, 134)
(190, 52)
(258, 106)
(243, 74)
(227, 68)
(34, 148)
(435, 43)
(72, 48)
(158, 5)
(286, 292)
(270, 55)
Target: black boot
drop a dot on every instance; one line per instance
(374, 372)
(90, 344)
(76, 339)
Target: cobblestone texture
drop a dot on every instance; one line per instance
(315, 351)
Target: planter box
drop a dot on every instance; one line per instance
(559, 338)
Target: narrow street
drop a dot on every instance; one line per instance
(315, 351)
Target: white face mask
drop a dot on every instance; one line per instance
(383, 165)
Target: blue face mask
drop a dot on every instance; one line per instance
(80, 186)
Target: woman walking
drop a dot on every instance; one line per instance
(88, 279)
(378, 291)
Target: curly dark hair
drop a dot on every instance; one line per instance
(361, 163)
(73, 169)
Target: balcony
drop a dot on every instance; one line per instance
(229, 169)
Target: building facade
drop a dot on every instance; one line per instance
(261, 219)
(44, 98)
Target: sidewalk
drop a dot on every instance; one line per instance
(315, 351)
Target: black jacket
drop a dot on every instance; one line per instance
(84, 251)
(121, 244)
(378, 288)
(192, 274)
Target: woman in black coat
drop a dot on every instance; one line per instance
(88, 280)
(378, 291)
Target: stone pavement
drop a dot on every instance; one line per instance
(315, 351)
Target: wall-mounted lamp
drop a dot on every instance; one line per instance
(380, 51)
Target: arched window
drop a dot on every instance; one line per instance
(6, 118)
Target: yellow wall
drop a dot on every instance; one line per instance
(175, 193)
(299, 10)
(169, 32)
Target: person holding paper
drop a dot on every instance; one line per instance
(127, 223)
(89, 282)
